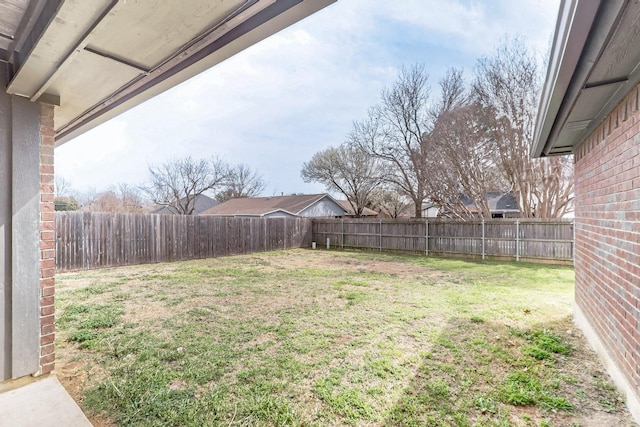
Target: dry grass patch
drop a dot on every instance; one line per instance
(329, 338)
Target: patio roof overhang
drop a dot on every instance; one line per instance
(594, 64)
(96, 59)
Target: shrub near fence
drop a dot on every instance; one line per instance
(520, 239)
(87, 240)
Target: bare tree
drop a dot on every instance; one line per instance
(348, 170)
(176, 184)
(65, 199)
(453, 93)
(508, 83)
(241, 181)
(106, 201)
(62, 187)
(130, 199)
(87, 198)
(467, 163)
(393, 134)
(390, 202)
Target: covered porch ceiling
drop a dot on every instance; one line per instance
(97, 58)
(594, 64)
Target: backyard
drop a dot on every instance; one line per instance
(306, 337)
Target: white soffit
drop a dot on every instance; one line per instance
(11, 13)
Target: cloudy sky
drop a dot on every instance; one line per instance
(298, 92)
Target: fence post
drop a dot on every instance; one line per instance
(517, 240)
(380, 235)
(342, 235)
(426, 237)
(483, 239)
(264, 221)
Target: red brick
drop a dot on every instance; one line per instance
(47, 225)
(49, 300)
(45, 320)
(47, 282)
(47, 310)
(47, 197)
(47, 349)
(47, 291)
(46, 207)
(47, 188)
(47, 359)
(47, 272)
(46, 168)
(47, 244)
(46, 178)
(47, 339)
(48, 253)
(47, 235)
(46, 368)
(48, 263)
(607, 186)
(47, 329)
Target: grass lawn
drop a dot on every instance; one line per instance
(317, 338)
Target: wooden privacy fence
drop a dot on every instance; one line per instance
(520, 239)
(87, 240)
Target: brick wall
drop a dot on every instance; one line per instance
(607, 260)
(47, 241)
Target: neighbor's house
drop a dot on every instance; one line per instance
(590, 108)
(201, 204)
(501, 205)
(350, 213)
(308, 205)
(429, 210)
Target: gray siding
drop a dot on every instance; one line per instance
(322, 209)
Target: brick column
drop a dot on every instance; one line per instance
(47, 241)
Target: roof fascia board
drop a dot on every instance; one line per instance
(278, 210)
(584, 27)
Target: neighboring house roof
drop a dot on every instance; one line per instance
(349, 210)
(497, 200)
(593, 65)
(202, 203)
(429, 210)
(261, 206)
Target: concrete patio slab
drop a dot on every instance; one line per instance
(41, 403)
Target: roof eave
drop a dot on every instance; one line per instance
(57, 57)
(582, 31)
